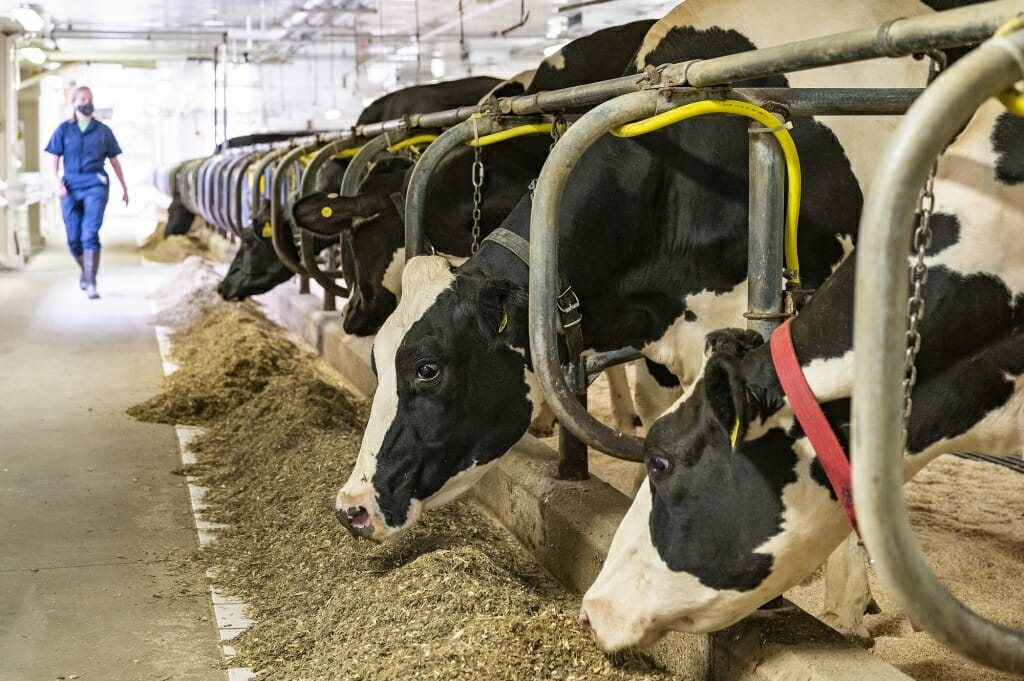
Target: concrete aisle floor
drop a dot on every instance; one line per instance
(93, 524)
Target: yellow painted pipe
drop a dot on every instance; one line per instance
(737, 108)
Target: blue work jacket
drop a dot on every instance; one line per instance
(84, 152)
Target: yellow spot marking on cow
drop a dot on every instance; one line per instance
(267, 232)
(332, 195)
(735, 432)
(504, 321)
(326, 211)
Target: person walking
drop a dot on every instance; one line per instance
(84, 143)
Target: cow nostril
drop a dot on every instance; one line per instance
(358, 516)
(585, 621)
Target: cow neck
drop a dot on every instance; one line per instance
(567, 302)
(812, 419)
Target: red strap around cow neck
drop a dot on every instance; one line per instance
(812, 419)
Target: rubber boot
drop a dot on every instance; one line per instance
(91, 261)
(81, 271)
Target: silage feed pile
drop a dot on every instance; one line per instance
(201, 241)
(454, 598)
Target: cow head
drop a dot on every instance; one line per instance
(372, 234)
(730, 516)
(451, 396)
(256, 267)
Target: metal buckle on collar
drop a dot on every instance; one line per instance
(573, 302)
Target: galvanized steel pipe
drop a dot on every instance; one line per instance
(950, 28)
(880, 315)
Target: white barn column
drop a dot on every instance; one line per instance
(11, 252)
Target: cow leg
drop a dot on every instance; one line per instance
(847, 593)
(623, 409)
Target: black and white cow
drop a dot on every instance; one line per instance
(374, 233)
(256, 268)
(719, 530)
(654, 241)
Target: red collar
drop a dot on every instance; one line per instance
(812, 419)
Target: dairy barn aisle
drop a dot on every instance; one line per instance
(95, 578)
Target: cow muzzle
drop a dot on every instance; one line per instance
(355, 519)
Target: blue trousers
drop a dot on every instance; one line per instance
(83, 210)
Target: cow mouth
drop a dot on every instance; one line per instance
(356, 520)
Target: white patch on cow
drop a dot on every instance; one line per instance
(965, 187)
(556, 61)
(392, 279)
(426, 277)
(846, 242)
(456, 486)
(683, 341)
(863, 137)
(830, 379)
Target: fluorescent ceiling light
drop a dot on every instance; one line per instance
(332, 114)
(28, 18)
(33, 54)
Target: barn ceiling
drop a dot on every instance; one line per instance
(416, 32)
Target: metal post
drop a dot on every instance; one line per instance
(880, 323)
(766, 210)
(572, 452)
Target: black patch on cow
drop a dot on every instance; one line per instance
(945, 232)
(473, 412)
(256, 268)
(694, 521)
(661, 374)
(682, 43)
(447, 94)
(1008, 143)
(599, 56)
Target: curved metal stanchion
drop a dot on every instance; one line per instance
(257, 195)
(278, 231)
(307, 251)
(416, 195)
(240, 218)
(224, 191)
(880, 314)
(321, 157)
(547, 198)
(360, 163)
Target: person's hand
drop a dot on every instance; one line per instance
(124, 197)
(62, 191)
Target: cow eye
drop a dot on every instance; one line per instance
(658, 464)
(427, 371)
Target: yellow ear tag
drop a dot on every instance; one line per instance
(504, 321)
(735, 432)
(326, 211)
(267, 232)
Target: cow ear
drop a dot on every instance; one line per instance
(725, 390)
(493, 311)
(330, 214)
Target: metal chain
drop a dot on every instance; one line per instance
(478, 183)
(919, 270)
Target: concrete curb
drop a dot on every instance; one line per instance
(568, 526)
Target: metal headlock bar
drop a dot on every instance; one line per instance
(879, 342)
(278, 230)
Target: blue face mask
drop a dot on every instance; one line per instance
(85, 109)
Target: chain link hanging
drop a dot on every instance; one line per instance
(919, 270)
(478, 183)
